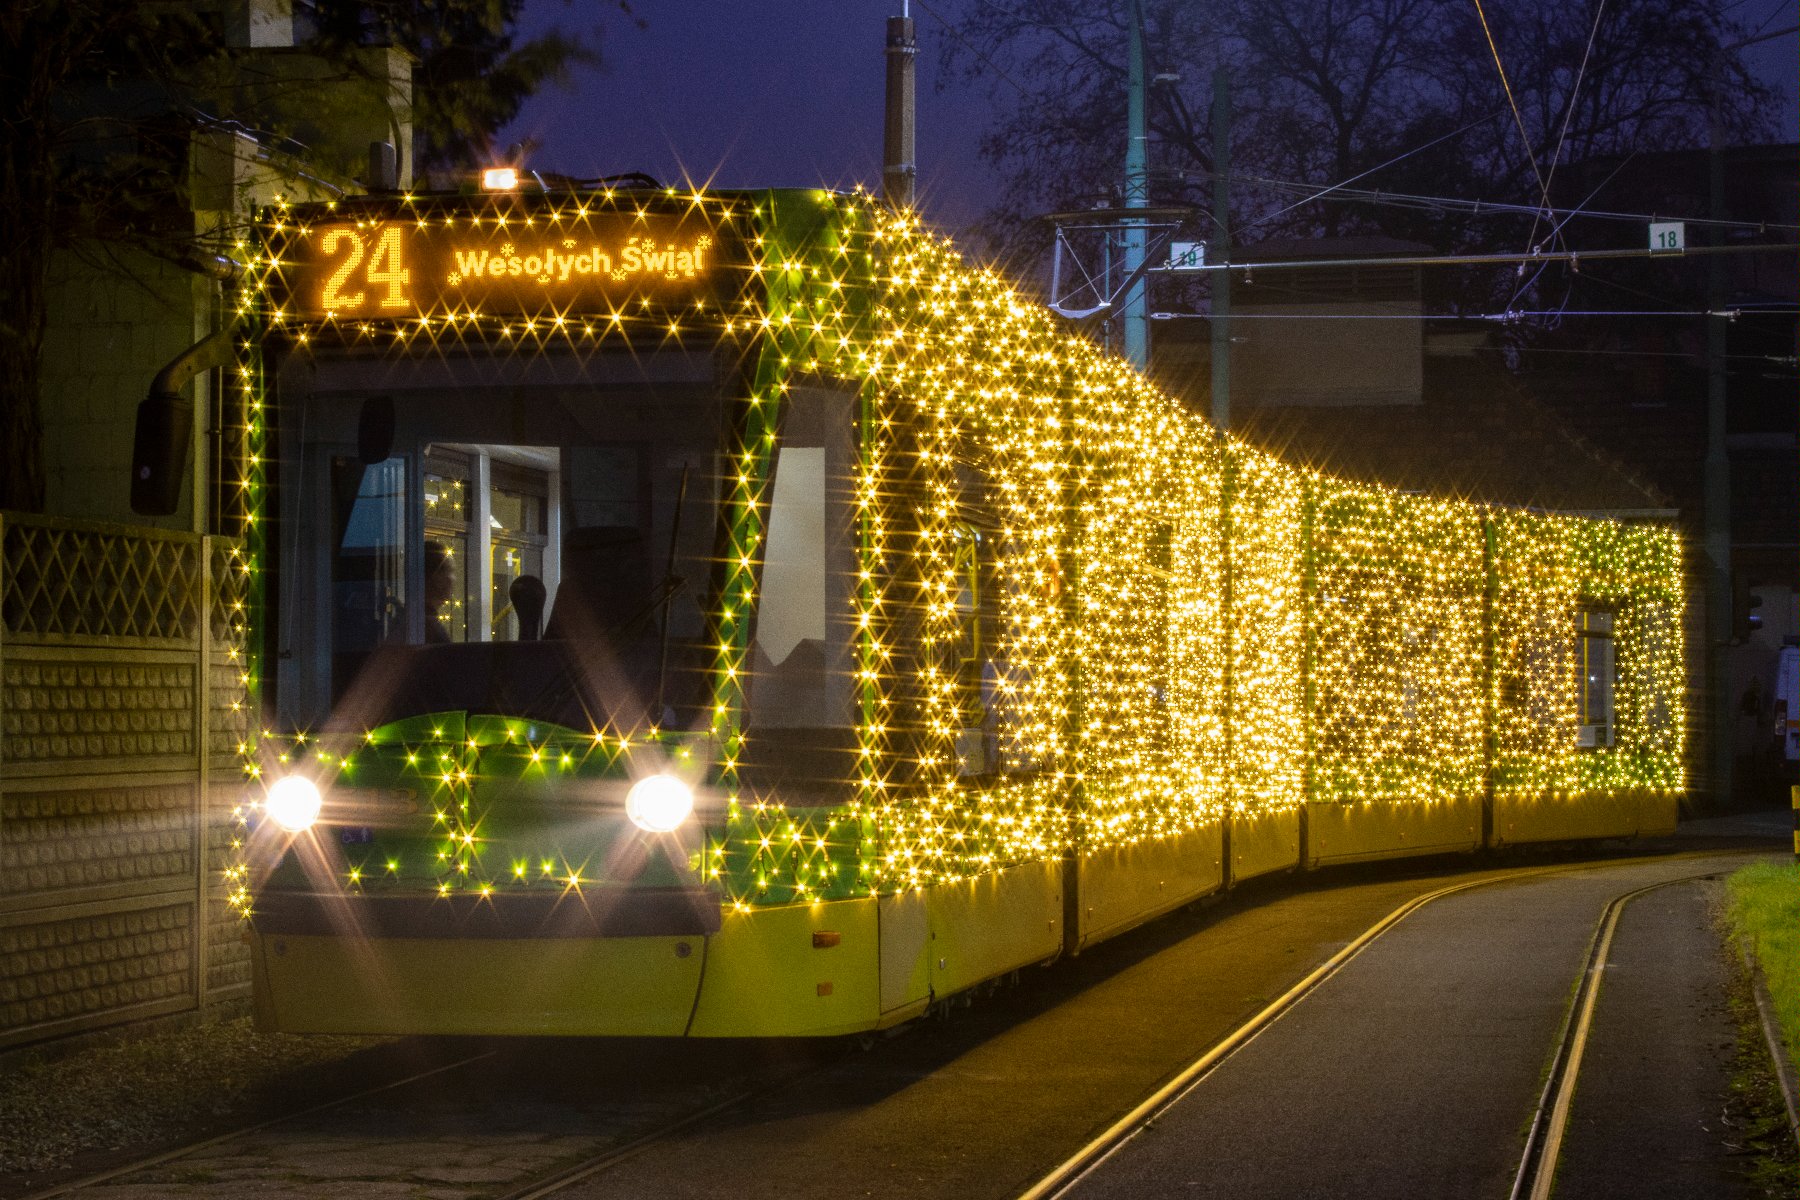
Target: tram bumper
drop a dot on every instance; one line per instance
(624, 962)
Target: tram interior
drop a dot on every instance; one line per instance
(540, 547)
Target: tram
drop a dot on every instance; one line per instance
(727, 613)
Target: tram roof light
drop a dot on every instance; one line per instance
(500, 179)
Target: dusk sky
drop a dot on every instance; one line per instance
(756, 94)
(790, 93)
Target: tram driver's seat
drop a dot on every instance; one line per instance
(605, 587)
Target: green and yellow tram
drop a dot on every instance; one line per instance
(729, 614)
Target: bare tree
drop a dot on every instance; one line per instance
(1405, 95)
(99, 100)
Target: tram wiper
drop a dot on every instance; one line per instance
(671, 583)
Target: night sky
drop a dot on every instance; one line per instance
(789, 93)
(756, 94)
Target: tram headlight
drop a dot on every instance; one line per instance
(293, 803)
(659, 803)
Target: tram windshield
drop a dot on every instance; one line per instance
(538, 543)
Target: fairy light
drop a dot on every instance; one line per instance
(1082, 619)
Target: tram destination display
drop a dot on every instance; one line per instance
(586, 260)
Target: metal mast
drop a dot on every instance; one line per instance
(899, 171)
(1137, 324)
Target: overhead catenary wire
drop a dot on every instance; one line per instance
(1511, 314)
(1573, 257)
(1561, 140)
(1477, 207)
(1780, 360)
(1613, 174)
(1503, 208)
(974, 49)
(1324, 192)
(1518, 117)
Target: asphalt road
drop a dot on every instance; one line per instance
(1412, 1073)
(1653, 1112)
(1415, 1071)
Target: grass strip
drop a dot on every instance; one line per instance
(1764, 912)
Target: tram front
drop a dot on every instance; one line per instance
(492, 437)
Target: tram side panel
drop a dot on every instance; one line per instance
(1150, 660)
(1396, 607)
(1267, 648)
(1587, 678)
(985, 817)
(962, 838)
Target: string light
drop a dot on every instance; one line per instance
(1082, 618)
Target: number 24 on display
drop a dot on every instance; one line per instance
(384, 270)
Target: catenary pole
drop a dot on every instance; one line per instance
(1221, 241)
(1137, 323)
(1717, 478)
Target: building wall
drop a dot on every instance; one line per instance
(115, 317)
(122, 702)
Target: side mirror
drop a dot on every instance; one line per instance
(159, 452)
(375, 430)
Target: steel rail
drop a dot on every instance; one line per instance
(544, 1186)
(156, 1160)
(1097, 1151)
(1060, 1180)
(587, 1168)
(1543, 1144)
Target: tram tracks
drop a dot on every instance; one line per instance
(568, 1176)
(162, 1157)
(1550, 1123)
(1067, 1174)
(616, 1143)
(702, 1113)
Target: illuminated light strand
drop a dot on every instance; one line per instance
(1157, 605)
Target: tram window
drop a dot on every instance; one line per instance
(996, 578)
(518, 504)
(799, 715)
(448, 510)
(1596, 661)
(965, 658)
(803, 642)
(1162, 567)
(1659, 711)
(368, 578)
(485, 519)
(598, 469)
(1532, 669)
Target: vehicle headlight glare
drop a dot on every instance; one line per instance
(659, 803)
(293, 803)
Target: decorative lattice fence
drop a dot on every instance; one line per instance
(121, 708)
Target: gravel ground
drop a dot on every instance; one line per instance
(152, 1090)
